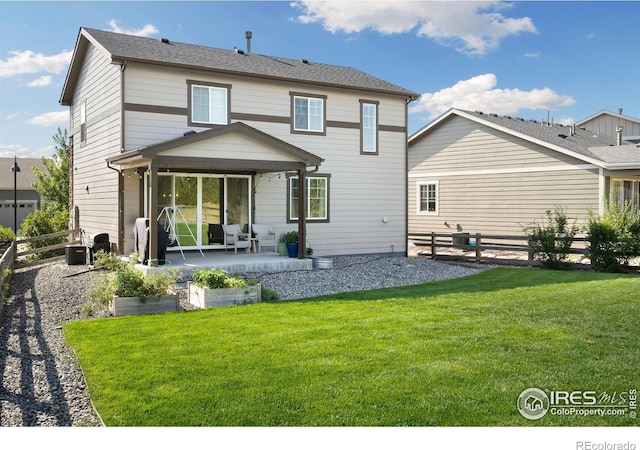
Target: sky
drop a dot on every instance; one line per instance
(559, 60)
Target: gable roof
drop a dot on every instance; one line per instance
(604, 112)
(25, 177)
(297, 154)
(577, 142)
(122, 47)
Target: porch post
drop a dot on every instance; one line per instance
(302, 213)
(153, 207)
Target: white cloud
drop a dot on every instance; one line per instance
(480, 94)
(28, 61)
(51, 118)
(146, 31)
(44, 80)
(11, 150)
(473, 27)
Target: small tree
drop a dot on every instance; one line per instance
(551, 241)
(53, 183)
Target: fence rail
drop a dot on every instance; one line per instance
(472, 247)
(75, 238)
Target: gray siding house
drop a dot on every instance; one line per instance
(231, 137)
(608, 123)
(496, 174)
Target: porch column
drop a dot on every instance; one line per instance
(302, 213)
(153, 207)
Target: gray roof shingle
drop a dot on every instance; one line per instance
(580, 141)
(133, 48)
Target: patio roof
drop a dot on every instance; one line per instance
(278, 154)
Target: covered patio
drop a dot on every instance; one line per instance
(236, 151)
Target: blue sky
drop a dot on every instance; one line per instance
(565, 60)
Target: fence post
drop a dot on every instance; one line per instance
(433, 245)
(478, 247)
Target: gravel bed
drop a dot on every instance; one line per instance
(41, 383)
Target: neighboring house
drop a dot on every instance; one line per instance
(496, 174)
(28, 199)
(228, 137)
(608, 123)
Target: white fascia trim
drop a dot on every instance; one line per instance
(539, 169)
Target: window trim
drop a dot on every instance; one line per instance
(326, 219)
(620, 194)
(83, 122)
(294, 130)
(419, 211)
(375, 103)
(206, 84)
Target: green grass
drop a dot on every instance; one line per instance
(457, 352)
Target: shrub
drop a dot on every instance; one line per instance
(290, 237)
(49, 219)
(269, 295)
(108, 261)
(614, 237)
(6, 235)
(551, 241)
(216, 279)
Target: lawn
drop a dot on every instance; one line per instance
(457, 352)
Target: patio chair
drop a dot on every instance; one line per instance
(265, 237)
(234, 237)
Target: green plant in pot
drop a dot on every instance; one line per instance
(291, 240)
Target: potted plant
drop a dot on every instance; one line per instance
(209, 288)
(291, 240)
(282, 246)
(128, 291)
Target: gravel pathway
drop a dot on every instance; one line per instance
(41, 383)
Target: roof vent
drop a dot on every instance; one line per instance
(188, 133)
(238, 51)
(248, 35)
(563, 136)
(164, 40)
(305, 61)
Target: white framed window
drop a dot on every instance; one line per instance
(208, 103)
(427, 198)
(307, 113)
(368, 127)
(317, 199)
(625, 192)
(83, 122)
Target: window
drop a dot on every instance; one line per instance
(208, 103)
(427, 196)
(308, 113)
(317, 198)
(368, 127)
(625, 192)
(83, 122)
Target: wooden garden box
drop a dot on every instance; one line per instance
(211, 298)
(126, 306)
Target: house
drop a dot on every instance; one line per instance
(215, 136)
(28, 199)
(607, 122)
(494, 174)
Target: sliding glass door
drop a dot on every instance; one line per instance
(193, 208)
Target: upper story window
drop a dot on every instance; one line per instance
(208, 103)
(427, 197)
(368, 127)
(308, 113)
(83, 122)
